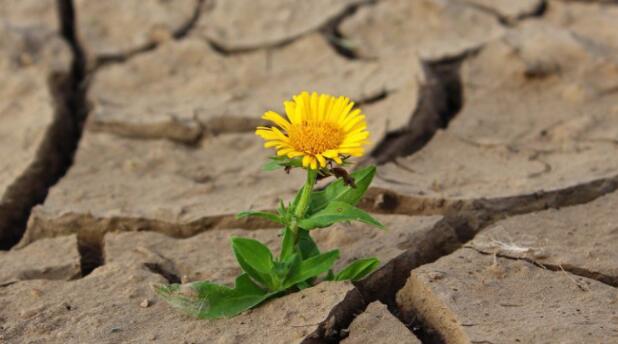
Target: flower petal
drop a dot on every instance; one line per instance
(290, 111)
(277, 119)
(314, 163)
(306, 161)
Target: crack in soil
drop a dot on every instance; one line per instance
(441, 98)
(337, 40)
(389, 202)
(55, 155)
(457, 229)
(240, 51)
(537, 12)
(171, 275)
(334, 328)
(461, 225)
(93, 229)
(448, 235)
(444, 238)
(424, 334)
(180, 33)
(371, 99)
(329, 30)
(611, 281)
(463, 220)
(90, 254)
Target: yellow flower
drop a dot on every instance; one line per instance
(318, 128)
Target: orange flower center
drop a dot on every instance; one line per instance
(316, 137)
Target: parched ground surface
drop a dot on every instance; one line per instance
(126, 136)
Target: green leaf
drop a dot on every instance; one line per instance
(210, 301)
(337, 212)
(306, 245)
(357, 269)
(282, 210)
(303, 285)
(293, 266)
(297, 198)
(338, 191)
(311, 267)
(263, 214)
(256, 260)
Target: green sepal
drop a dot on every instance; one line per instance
(277, 162)
(357, 269)
(256, 260)
(210, 301)
(337, 212)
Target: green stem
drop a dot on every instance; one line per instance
(303, 203)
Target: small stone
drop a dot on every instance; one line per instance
(184, 279)
(145, 303)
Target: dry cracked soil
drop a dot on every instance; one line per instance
(126, 136)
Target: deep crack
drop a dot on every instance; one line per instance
(390, 202)
(170, 275)
(333, 328)
(420, 330)
(445, 237)
(459, 227)
(55, 154)
(440, 99)
(335, 38)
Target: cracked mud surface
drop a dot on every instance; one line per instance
(472, 298)
(57, 312)
(378, 325)
(35, 261)
(494, 124)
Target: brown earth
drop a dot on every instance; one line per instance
(494, 124)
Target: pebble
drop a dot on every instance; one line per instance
(145, 303)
